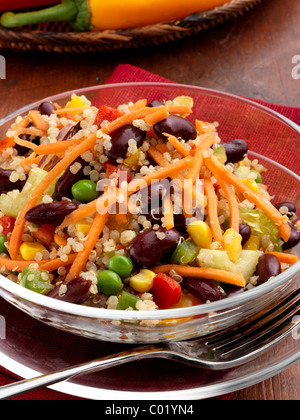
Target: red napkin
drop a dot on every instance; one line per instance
(83, 349)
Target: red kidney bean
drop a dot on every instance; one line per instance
(155, 214)
(268, 266)
(231, 290)
(120, 139)
(147, 249)
(50, 213)
(46, 108)
(291, 207)
(203, 289)
(176, 126)
(155, 104)
(245, 232)
(63, 187)
(77, 291)
(294, 238)
(235, 150)
(6, 185)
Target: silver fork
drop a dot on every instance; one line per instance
(222, 350)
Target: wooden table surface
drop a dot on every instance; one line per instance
(250, 56)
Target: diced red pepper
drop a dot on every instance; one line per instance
(7, 223)
(165, 290)
(105, 113)
(112, 169)
(6, 143)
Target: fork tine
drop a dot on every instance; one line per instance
(265, 332)
(252, 327)
(273, 336)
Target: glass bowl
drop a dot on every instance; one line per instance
(238, 118)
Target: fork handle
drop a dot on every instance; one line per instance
(17, 388)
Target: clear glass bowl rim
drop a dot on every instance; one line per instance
(112, 314)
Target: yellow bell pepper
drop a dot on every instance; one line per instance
(100, 15)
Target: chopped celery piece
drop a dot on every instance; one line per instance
(185, 253)
(127, 300)
(220, 153)
(36, 280)
(262, 226)
(11, 204)
(247, 263)
(242, 172)
(210, 258)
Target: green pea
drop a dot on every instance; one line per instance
(258, 177)
(36, 280)
(3, 240)
(127, 300)
(85, 191)
(121, 265)
(109, 283)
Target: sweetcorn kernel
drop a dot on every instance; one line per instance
(201, 234)
(83, 227)
(76, 102)
(251, 184)
(29, 250)
(233, 244)
(143, 281)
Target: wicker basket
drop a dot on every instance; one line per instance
(59, 37)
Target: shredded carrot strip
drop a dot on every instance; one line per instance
(201, 272)
(177, 145)
(284, 258)
(189, 191)
(22, 124)
(141, 103)
(51, 265)
(25, 143)
(168, 212)
(232, 203)
(38, 121)
(32, 131)
(158, 116)
(134, 186)
(48, 265)
(74, 109)
(32, 159)
(89, 244)
(281, 222)
(59, 240)
(59, 147)
(212, 209)
(205, 145)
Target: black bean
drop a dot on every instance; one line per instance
(235, 150)
(203, 289)
(63, 187)
(245, 232)
(268, 266)
(73, 291)
(50, 213)
(290, 206)
(46, 108)
(294, 238)
(147, 249)
(155, 104)
(6, 185)
(120, 139)
(176, 126)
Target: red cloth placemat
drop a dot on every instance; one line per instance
(122, 74)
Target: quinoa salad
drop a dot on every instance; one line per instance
(138, 207)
